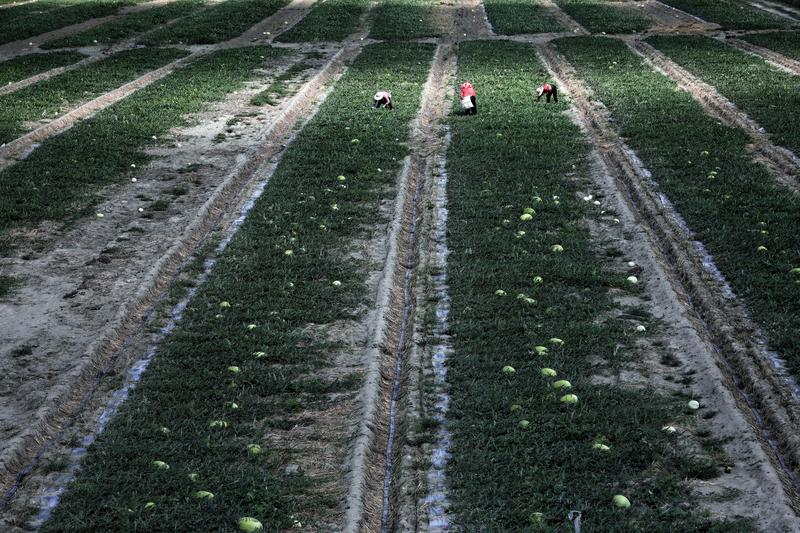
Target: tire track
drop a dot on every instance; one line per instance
(762, 392)
(25, 144)
(782, 162)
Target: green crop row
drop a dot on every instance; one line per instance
(278, 274)
(37, 23)
(405, 19)
(57, 181)
(784, 42)
(730, 14)
(127, 27)
(518, 447)
(330, 20)
(20, 68)
(734, 206)
(757, 88)
(599, 16)
(509, 17)
(216, 24)
(53, 97)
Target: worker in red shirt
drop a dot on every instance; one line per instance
(382, 99)
(469, 99)
(548, 91)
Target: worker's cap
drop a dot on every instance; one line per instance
(540, 90)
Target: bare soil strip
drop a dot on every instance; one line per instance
(783, 163)
(31, 44)
(775, 9)
(561, 16)
(471, 20)
(777, 60)
(760, 390)
(136, 306)
(279, 22)
(22, 145)
(16, 86)
(673, 20)
(374, 488)
(94, 55)
(15, 4)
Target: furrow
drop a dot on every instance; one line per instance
(374, 493)
(783, 163)
(561, 16)
(761, 391)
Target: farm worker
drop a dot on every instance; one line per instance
(468, 99)
(548, 91)
(382, 99)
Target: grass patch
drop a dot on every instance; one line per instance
(405, 19)
(127, 27)
(189, 385)
(217, 23)
(509, 17)
(58, 180)
(783, 42)
(732, 203)
(760, 90)
(330, 20)
(24, 67)
(7, 285)
(279, 89)
(731, 14)
(36, 23)
(599, 16)
(501, 473)
(52, 98)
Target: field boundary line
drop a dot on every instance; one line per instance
(132, 316)
(781, 161)
(775, 59)
(760, 390)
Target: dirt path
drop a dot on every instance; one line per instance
(22, 146)
(783, 163)
(774, 58)
(31, 44)
(738, 372)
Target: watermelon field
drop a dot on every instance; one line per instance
(236, 294)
